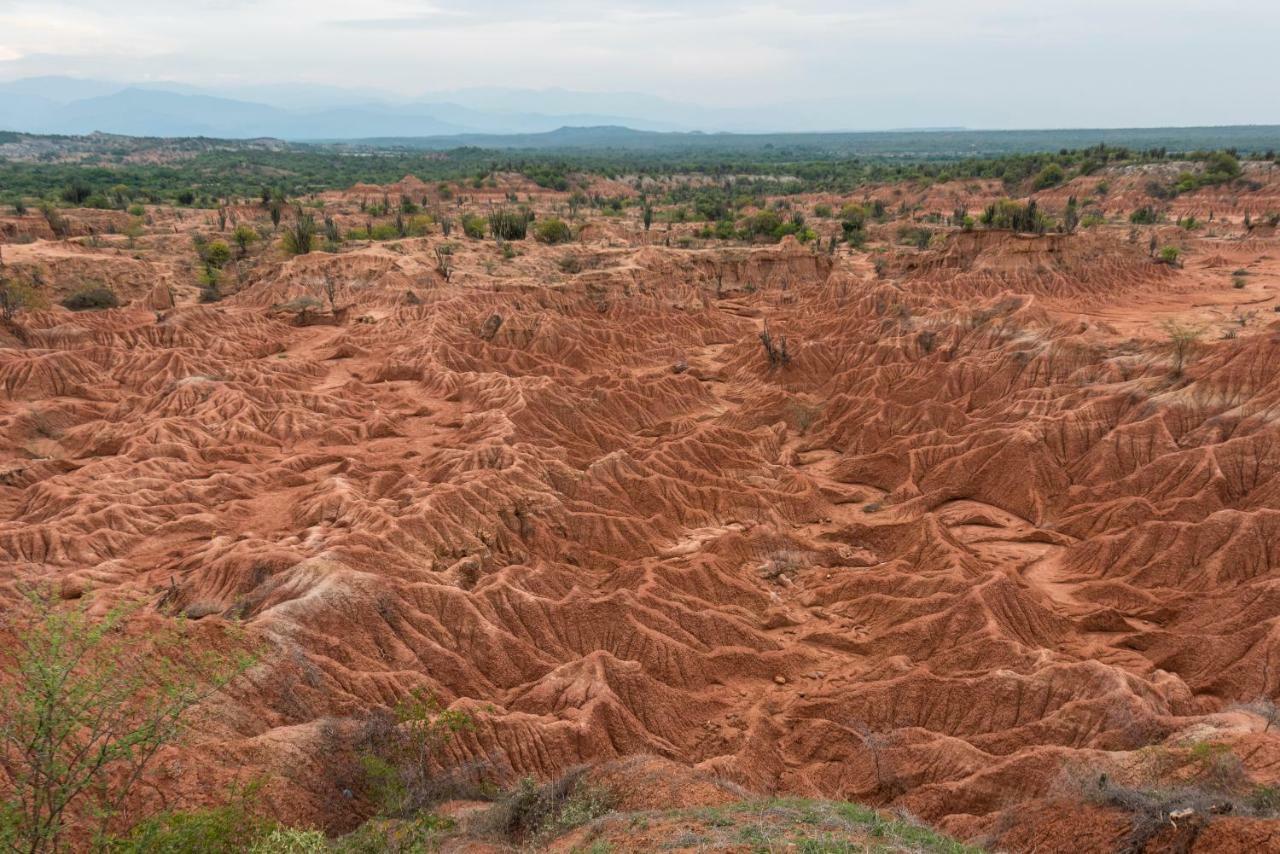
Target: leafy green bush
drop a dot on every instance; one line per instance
(853, 224)
(1050, 176)
(216, 254)
(16, 296)
(416, 834)
(762, 224)
(244, 236)
(1169, 255)
(531, 811)
(92, 299)
(1145, 215)
(76, 191)
(473, 226)
(553, 230)
(232, 827)
(915, 236)
(1220, 167)
(398, 747)
(88, 705)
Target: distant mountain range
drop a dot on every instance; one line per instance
(65, 105)
(525, 118)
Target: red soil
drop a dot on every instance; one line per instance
(972, 532)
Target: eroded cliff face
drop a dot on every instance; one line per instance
(968, 531)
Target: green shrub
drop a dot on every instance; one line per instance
(418, 834)
(1145, 215)
(762, 224)
(89, 703)
(76, 191)
(216, 254)
(1050, 176)
(398, 749)
(532, 811)
(92, 299)
(244, 236)
(553, 230)
(230, 828)
(822, 211)
(18, 295)
(853, 223)
(915, 236)
(1169, 255)
(854, 213)
(1220, 167)
(473, 226)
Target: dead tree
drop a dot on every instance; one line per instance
(775, 351)
(331, 291)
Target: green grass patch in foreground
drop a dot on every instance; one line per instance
(817, 827)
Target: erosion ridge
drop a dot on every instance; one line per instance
(972, 531)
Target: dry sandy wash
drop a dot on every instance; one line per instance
(973, 535)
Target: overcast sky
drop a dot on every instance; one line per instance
(881, 63)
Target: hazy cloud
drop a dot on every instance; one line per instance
(876, 63)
